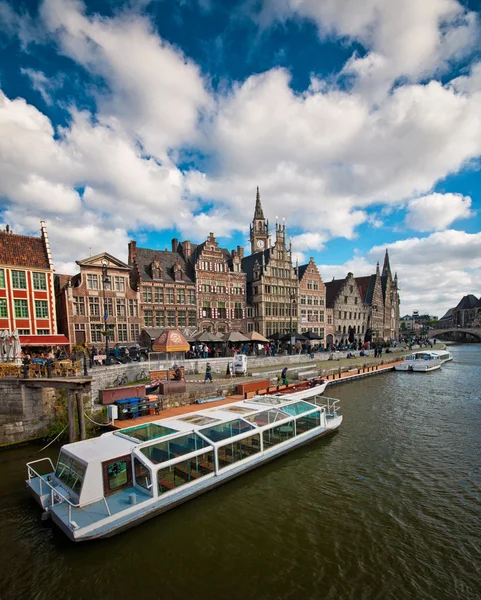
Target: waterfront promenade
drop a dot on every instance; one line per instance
(368, 367)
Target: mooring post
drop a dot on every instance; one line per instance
(81, 416)
(72, 429)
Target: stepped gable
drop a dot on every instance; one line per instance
(23, 251)
(467, 302)
(167, 259)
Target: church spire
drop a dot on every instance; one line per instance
(258, 213)
(386, 270)
(259, 230)
(378, 272)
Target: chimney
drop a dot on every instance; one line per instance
(187, 247)
(46, 243)
(240, 251)
(132, 252)
(175, 244)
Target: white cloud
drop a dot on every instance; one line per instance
(308, 241)
(437, 211)
(414, 40)
(154, 92)
(434, 272)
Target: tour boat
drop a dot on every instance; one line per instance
(422, 361)
(110, 483)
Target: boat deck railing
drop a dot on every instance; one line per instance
(330, 405)
(56, 496)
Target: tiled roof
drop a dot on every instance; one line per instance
(366, 287)
(332, 290)
(467, 302)
(22, 251)
(167, 260)
(248, 262)
(302, 270)
(62, 281)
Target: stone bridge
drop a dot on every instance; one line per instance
(458, 333)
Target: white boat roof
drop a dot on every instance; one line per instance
(121, 442)
(102, 448)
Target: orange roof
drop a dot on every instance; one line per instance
(170, 340)
(23, 251)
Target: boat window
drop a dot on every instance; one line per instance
(276, 435)
(169, 449)
(117, 474)
(185, 471)
(142, 475)
(226, 430)
(71, 472)
(308, 422)
(236, 451)
(266, 417)
(297, 408)
(144, 433)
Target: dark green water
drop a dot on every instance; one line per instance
(388, 508)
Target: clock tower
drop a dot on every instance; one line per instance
(259, 228)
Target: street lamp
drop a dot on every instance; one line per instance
(105, 280)
(292, 298)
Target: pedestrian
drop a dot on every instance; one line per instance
(208, 373)
(284, 376)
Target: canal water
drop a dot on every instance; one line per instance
(387, 508)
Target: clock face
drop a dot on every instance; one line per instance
(260, 243)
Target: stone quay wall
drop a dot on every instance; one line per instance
(25, 413)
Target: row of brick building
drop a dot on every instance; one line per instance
(191, 286)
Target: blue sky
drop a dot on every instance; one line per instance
(361, 123)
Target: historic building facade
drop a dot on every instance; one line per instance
(165, 281)
(370, 289)
(312, 308)
(272, 281)
(221, 287)
(98, 302)
(195, 286)
(365, 308)
(27, 297)
(390, 290)
(349, 312)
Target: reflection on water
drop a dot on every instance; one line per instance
(389, 507)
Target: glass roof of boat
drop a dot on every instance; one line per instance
(297, 408)
(266, 417)
(240, 410)
(168, 449)
(274, 400)
(144, 433)
(223, 431)
(198, 419)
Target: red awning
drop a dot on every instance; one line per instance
(44, 340)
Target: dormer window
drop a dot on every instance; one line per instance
(156, 269)
(178, 272)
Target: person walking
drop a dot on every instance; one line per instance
(208, 373)
(284, 376)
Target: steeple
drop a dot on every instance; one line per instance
(378, 273)
(386, 269)
(258, 213)
(259, 230)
